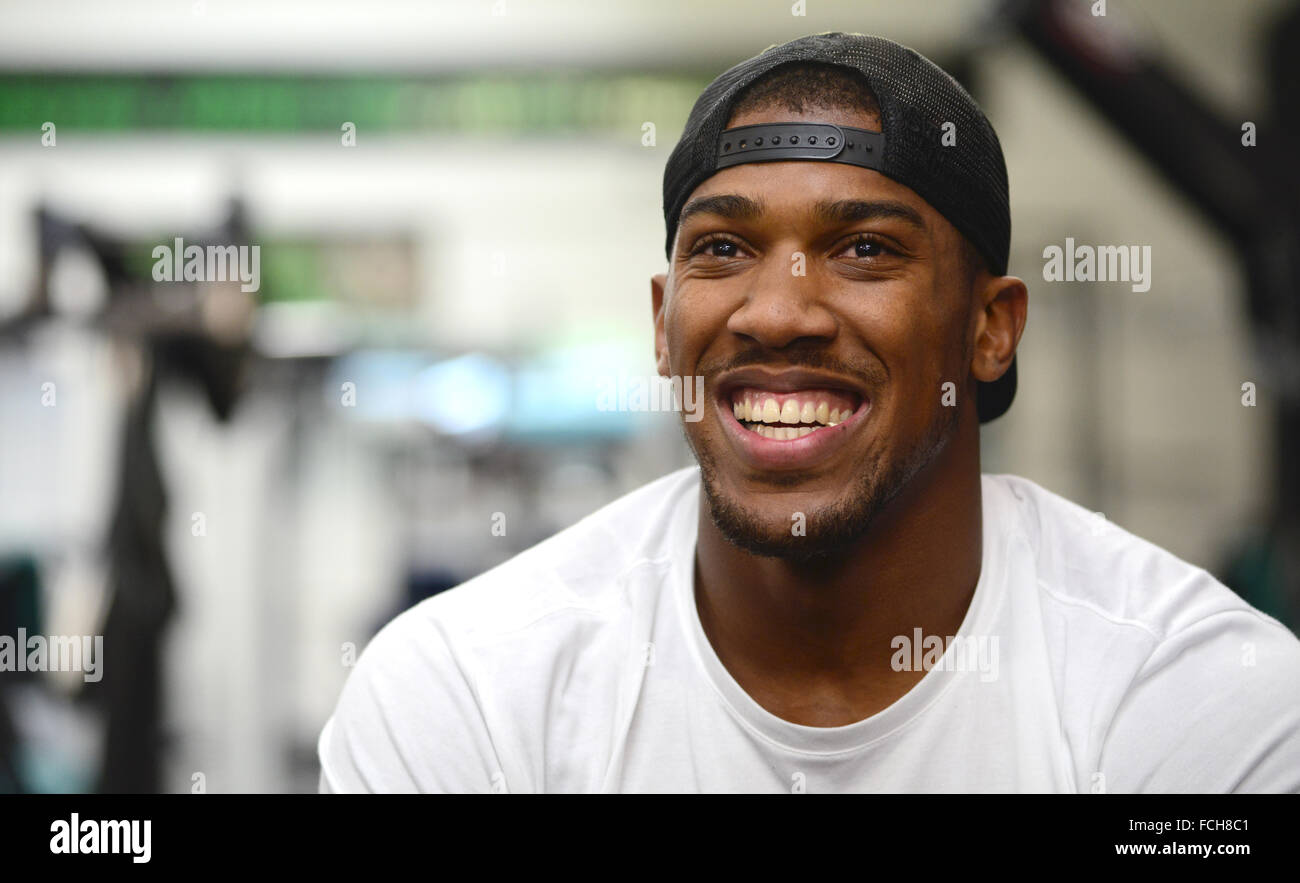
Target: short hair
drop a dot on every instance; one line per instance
(800, 86)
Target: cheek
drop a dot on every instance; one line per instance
(919, 343)
(935, 360)
(691, 324)
(901, 329)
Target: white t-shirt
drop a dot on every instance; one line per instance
(580, 666)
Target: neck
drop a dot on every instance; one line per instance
(785, 628)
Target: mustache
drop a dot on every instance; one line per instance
(871, 374)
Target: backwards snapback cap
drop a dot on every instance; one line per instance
(965, 179)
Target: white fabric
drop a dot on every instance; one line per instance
(580, 666)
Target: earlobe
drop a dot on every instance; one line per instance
(658, 284)
(1006, 306)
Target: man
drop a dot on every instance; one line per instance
(836, 599)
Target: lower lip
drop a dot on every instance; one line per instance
(795, 453)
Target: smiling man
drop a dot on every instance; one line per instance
(836, 599)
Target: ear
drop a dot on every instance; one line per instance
(1003, 309)
(658, 283)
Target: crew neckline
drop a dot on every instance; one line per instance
(849, 737)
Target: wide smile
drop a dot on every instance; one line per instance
(783, 416)
(790, 420)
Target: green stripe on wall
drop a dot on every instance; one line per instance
(514, 102)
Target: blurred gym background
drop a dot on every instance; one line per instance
(458, 208)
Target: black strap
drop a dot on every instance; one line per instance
(767, 142)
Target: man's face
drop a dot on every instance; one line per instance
(809, 294)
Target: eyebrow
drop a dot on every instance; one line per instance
(835, 211)
(728, 205)
(848, 211)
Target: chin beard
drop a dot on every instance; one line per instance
(833, 529)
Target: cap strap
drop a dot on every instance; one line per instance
(767, 142)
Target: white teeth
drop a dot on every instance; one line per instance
(783, 433)
(765, 410)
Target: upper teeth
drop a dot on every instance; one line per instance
(766, 410)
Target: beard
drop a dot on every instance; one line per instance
(831, 530)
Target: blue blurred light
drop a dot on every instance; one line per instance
(469, 393)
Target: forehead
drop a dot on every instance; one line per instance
(799, 186)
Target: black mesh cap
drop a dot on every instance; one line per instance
(965, 182)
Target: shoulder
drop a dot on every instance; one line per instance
(1187, 685)
(439, 691)
(577, 569)
(1082, 559)
(559, 590)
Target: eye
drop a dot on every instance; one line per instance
(866, 247)
(716, 246)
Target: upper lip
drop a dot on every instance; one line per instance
(786, 380)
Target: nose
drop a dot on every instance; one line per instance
(780, 308)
